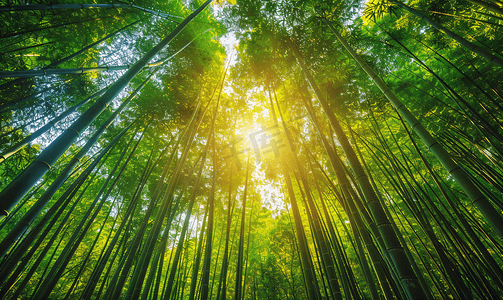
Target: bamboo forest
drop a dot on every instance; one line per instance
(251, 149)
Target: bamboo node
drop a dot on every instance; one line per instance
(456, 168)
(78, 133)
(430, 146)
(360, 176)
(415, 124)
(4, 213)
(407, 277)
(395, 248)
(373, 77)
(383, 224)
(478, 199)
(400, 106)
(44, 163)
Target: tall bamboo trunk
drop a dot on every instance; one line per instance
(308, 271)
(174, 266)
(105, 257)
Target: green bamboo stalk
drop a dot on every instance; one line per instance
(363, 261)
(211, 203)
(354, 199)
(485, 128)
(209, 235)
(67, 58)
(36, 264)
(320, 260)
(82, 71)
(134, 289)
(308, 273)
(28, 7)
(121, 273)
(497, 273)
(174, 266)
(323, 244)
(103, 260)
(311, 284)
(165, 200)
(172, 211)
(355, 220)
(74, 71)
(84, 263)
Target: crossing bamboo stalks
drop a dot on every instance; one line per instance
(309, 275)
(32, 7)
(82, 71)
(492, 216)
(86, 222)
(239, 268)
(489, 260)
(222, 286)
(115, 289)
(104, 259)
(176, 260)
(393, 247)
(353, 213)
(54, 212)
(11, 195)
(71, 56)
(12, 150)
(56, 184)
(462, 41)
(481, 124)
(19, 33)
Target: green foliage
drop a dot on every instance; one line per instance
(261, 97)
